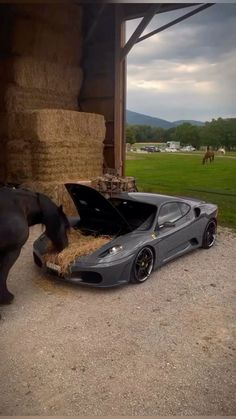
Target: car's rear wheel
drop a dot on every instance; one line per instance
(142, 266)
(209, 236)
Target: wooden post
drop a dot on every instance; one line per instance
(120, 93)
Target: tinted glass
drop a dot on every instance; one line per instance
(169, 212)
(184, 208)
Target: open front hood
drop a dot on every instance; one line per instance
(93, 205)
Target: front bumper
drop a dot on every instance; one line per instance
(102, 275)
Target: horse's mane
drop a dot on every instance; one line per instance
(51, 212)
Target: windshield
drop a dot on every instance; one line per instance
(139, 215)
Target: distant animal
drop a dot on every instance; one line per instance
(221, 151)
(209, 155)
(20, 209)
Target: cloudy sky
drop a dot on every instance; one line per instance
(187, 71)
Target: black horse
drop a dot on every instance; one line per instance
(20, 209)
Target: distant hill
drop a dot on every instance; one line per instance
(135, 118)
(188, 121)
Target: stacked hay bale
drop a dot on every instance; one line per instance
(42, 68)
(55, 146)
(3, 138)
(47, 142)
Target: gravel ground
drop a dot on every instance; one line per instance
(166, 347)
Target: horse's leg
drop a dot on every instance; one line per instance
(203, 160)
(7, 260)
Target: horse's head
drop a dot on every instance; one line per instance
(55, 221)
(56, 230)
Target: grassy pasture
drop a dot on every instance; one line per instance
(184, 174)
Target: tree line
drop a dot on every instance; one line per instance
(217, 133)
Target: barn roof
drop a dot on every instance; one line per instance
(134, 11)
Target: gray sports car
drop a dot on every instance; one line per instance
(147, 230)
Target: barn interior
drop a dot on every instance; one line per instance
(63, 90)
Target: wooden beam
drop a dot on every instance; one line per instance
(138, 10)
(119, 98)
(94, 25)
(174, 22)
(152, 10)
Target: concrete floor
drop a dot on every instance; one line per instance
(166, 347)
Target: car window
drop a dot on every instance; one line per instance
(169, 212)
(184, 208)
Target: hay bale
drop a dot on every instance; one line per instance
(79, 245)
(3, 125)
(18, 99)
(6, 72)
(57, 15)
(45, 76)
(3, 141)
(41, 40)
(3, 90)
(66, 160)
(57, 145)
(19, 162)
(55, 125)
(2, 160)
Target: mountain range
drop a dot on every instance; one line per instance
(135, 118)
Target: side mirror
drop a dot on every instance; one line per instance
(167, 224)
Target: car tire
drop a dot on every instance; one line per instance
(209, 236)
(142, 266)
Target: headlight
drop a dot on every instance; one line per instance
(112, 251)
(115, 249)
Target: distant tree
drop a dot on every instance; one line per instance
(143, 133)
(187, 134)
(219, 132)
(169, 134)
(146, 133)
(130, 135)
(157, 134)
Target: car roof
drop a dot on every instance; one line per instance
(150, 198)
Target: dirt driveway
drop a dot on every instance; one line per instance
(165, 347)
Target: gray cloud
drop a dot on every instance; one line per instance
(187, 71)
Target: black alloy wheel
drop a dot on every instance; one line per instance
(143, 265)
(209, 236)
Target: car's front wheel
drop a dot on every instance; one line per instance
(209, 236)
(142, 266)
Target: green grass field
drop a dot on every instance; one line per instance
(184, 174)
